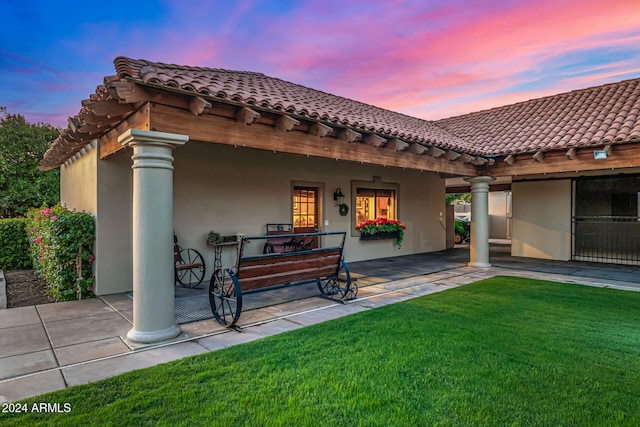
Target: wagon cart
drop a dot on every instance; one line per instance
(189, 265)
(261, 272)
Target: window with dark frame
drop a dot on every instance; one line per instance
(375, 203)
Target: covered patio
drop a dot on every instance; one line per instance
(235, 150)
(48, 347)
(394, 273)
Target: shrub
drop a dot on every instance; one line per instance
(60, 247)
(14, 252)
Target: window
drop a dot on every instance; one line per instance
(375, 203)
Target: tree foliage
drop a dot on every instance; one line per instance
(454, 198)
(22, 184)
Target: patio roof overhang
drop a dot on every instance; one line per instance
(552, 135)
(148, 107)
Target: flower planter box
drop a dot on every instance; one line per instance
(380, 235)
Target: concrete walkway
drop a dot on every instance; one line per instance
(52, 346)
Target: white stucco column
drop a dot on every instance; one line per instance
(479, 245)
(153, 264)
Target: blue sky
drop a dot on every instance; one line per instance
(430, 59)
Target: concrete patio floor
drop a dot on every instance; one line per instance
(52, 346)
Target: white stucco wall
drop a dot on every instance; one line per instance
(542, 219)
(499, 215)
(235, 190)
(103, 188)
(113, 226)
(78, 181)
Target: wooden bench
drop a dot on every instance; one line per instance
(261, 272)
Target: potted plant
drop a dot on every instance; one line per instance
(382, 228)
(213, 238)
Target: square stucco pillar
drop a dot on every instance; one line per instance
(153, 264)
(479, 244)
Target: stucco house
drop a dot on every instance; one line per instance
(165, 148)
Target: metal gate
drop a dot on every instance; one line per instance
(612, 239)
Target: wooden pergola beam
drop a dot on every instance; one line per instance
(625, 156)
(285, 123)
(348, 135)
(374, 140)
(247, 116)
(223, 130)
(320, 130)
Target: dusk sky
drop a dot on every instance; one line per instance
(426, 58)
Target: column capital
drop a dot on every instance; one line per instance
(479, 179)
(132, 137)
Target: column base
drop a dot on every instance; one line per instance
(479, 264)
(153, 337)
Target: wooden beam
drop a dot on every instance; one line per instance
(320, 130)
(127, 92)
(625, 156)
(74, 124)
(109, 145)
(109, 108)
(436, 152)
(416, 148)
(539, 156)
(467, 158)
(246, 116)
(348, 135)
(479, 161)
(397, 144)
(198, 105)
(510, 159)
(452, 155)
(285, 123)
(374, 140)
(221, 130)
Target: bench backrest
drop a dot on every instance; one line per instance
(263, 271)
(274, 269)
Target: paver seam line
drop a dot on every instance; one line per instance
(116, 310)
(188, 339)
(194, 339)
(55, 357)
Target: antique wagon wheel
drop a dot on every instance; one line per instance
(339, 286)
(225, 297)
(190, 268)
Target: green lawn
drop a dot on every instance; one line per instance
(502, 351)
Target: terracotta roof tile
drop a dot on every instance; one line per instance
(592, 116)
(269, 92)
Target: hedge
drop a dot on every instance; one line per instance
(60, 247)
(14, 245)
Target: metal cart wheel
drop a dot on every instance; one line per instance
(225, 297)
(190, 268)
(340, 286)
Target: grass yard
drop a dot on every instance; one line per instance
(502, 351)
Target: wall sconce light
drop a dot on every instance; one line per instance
(339, 198)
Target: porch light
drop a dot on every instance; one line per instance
(600, 154)
(339, 198)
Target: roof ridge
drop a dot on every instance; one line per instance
(121, 63)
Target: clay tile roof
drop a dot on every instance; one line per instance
(269, 92)
(587, 117)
